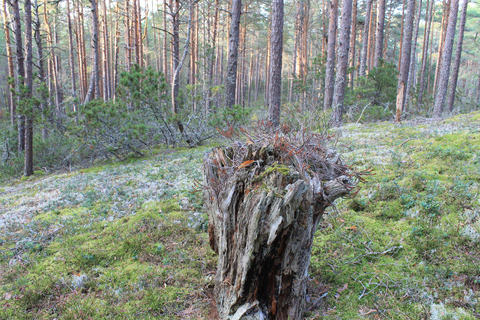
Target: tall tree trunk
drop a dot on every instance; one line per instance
(342, 64)
(20, 70)
(364, 50)
(276, 44)
(371, 40)
(175, 20)
(330, 65)
(412, 71)
(178, 63)
(71, 56)
(458, 56)
(296, 45)
(446, 60)
(57, 70)
(212, 56)
(116, 53)
(445, 19)
(139, 34)
(193, 56)
(165, 42)
(402, 30)
(106, 55)
(95, 79)
(28, 112)
(353, 40)
(405, 63)
(128, 38)
(233, 42)
(11, 71)
(426, 35)
(41, 71)
(380, 31)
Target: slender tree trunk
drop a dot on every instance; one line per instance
(380, 31)
(139, 34)
(106, 55)
(296, 44)
(41, 71)
(28, 165)
(342, 64)
(405, 63)
(445, 19)
(96, 54)
(233, 42)
(193, 57)
(57, 71)
(276, 44)
(458, 56)
(20, 70)
(212, 57)
(11, 71)
(116, 53)
(426, 35)
(402, 30)
(128, 45)
(330, 65)
(71, 56)
(371, 40)
(363, 52)
(165, 37)
(175, 45)
(412, 71)
(446, 60)
(353, 40)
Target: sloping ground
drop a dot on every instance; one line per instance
(407, 247)
(128, 241)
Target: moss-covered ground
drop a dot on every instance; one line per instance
(128, 241)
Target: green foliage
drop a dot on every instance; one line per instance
(234, 116)
(375, 94)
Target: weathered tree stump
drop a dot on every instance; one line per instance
(264, 202)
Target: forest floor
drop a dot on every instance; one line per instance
(128, 240)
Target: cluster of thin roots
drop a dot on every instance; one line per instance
(263, 146)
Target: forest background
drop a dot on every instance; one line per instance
(83, 81)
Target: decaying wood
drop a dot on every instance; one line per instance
(264, 203)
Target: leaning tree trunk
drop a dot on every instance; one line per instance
(264, 202)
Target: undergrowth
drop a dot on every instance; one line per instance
(128, 240)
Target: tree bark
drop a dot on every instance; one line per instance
(330, 65)
(71, 56)
(175, 20)
(363, 52)
(458, 56)
(342, 65)
(11, 71)
(353, 40)
(441, 45)
(441, 91)
(41, 70)
(276, 51)
(20, 70)
(262, 219)
(106, 55)
(412, 71)
(402, 29)
(380, 31)
(426, 35)
(28, 112)
(96, 55)
(405, 63)
(233, 42)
